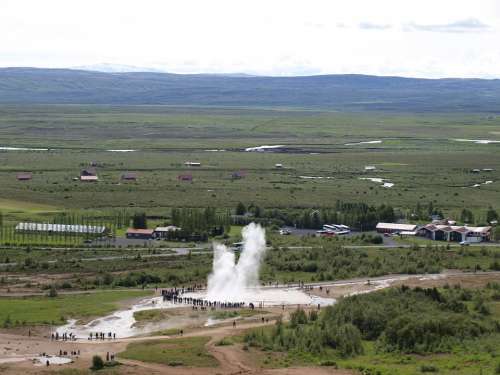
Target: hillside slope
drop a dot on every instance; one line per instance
(343, 92)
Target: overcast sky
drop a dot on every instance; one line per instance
(419, 38)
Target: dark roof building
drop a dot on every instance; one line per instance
(24, 176)
(88, 172)
(238, 175)
(129, 176)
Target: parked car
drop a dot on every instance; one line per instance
(464, 243)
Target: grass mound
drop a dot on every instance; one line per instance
(189, 351)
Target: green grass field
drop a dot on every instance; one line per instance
(417, 153)
(56, 310)
(188, 352)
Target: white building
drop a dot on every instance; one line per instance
(395, 227)
(443, 232)
(162, 232)
(60, 228)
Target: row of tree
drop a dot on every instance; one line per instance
(357, 215)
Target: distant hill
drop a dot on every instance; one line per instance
(342, 92)
(116, 68)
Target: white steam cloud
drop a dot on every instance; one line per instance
(231, 281)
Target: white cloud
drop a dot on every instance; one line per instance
(461, 26)
(374, 26)
(278, 37)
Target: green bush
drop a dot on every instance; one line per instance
(428, 368)
(97, 363)
(400, 320)
(175, 363)
(328, 363)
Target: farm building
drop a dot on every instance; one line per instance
(129, 176)
(162, 232)
(142, 234)
(185, 177)
(89, 178)
(238, 175)
(395, 227)
(24, 176)
(60, 228)
(88, 175)
(192, 164)
(278, 165)
(455, 233)
(88, 172)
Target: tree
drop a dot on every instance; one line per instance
(257, 211)
(467, 216)
(348, 340)
(316, 220)
(52, 292)
(496, 233)
(241, 209)
(139, 221)
(491, 215)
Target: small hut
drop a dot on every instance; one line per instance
(24, 176)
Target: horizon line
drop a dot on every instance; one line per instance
(239, 74)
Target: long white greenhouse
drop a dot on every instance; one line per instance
(60, 228)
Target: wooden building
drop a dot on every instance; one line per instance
(24, 176)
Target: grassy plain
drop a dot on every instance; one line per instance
(56, 310)
(189, 352)
(417, 153)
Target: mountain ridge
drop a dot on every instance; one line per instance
(340, 92)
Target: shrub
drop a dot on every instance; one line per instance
(97, 363)
(347, 340)
(52, 292)
(298, 317)
(428, 368)
(328, 363)
(175, 363)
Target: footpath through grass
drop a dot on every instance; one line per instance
(15, 311)
(190, 352)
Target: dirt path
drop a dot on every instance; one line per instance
(232, 359)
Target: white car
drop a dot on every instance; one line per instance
(464, 243)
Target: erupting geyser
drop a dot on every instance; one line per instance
(231, 281)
